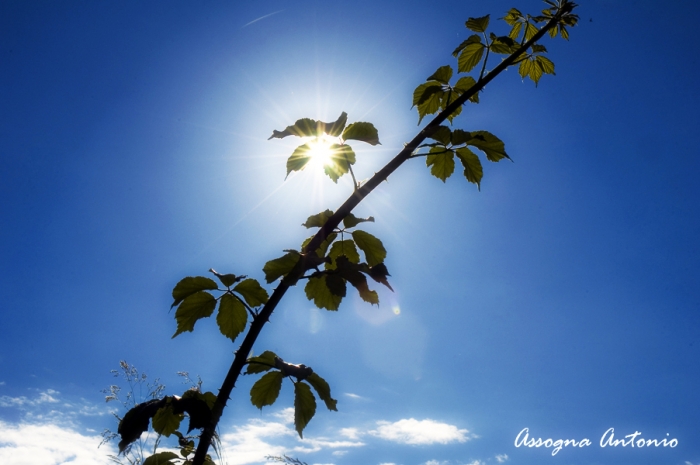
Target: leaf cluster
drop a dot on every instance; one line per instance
(266, 390)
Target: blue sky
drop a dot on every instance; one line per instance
(562, 297)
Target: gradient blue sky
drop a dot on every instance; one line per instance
(563, 297)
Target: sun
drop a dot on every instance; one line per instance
(320, 151)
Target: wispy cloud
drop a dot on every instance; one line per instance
(420, 432)
(262, 17)
(503, 457)
(45, 397)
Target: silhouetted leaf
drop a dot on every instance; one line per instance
(232, 316)
(304, 406)
(321, 251)
(470, 55)
(227, 279)
(373, 248)
(351, 220)
(323, 390)
(379, 274)
(262, 362)
(194, 307)
(343, 248)
(280, 266)
(305, 127)
(441, 162)
(165, 421)
(442, 75)
(365, 132)
(161, 458)
(318, 220)
(472, 165)
(478, 24)
(491, 145)
(335, 128)
(252, 292)
(266, 390)
(318, 291)
(191, 285)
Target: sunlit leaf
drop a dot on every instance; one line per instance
(323, 390)
(442, 75)
(232, 316)
(161, 458)
(321, 251)
(304, 406)
(299, 158)
(227, 279)
(252, 292)
(280, 266)
(441, 134)
(341, 157)
(460, 137)
(373, 248)
(431, 104)
(165, 421)
(503, 44)
(472, 165)
(491, 145)
(336, 128)
(441, 162)
(318, 220)
(318, 291)
(471, 55)
(515, 31)
(545, 64)
(194, 307)
(351, 220)
(261, 363)
(464, 84)
(266, 390)
(343, 248)
(191, 285)
(478, 24)
(530, 31)
(365, 132)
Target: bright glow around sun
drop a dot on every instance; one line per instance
(320, 151)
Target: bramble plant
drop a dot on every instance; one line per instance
(339, 252)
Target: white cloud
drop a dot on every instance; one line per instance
(27, 444)
(350, 433)
(48, 396)
(476, 462)
(420, 432)
(503, 457)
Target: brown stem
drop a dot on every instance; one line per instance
(357, 196)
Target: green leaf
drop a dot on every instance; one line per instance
(232, 317)
(261, 363)
(266, 390)
(442, 163)
(545, 64)
(252, 292)
(304, 406)
(336, 285)
(343, 248)
(428, 97)
(379, 274)
(340, 159)
(530, 31)
(336, 128)
(442, 75)
(491, 145)
(471, 54)
(191, 285)
(460, 137)
(464, 84)
(165, 421)
(352, 272)
(502, 44)
(373, 248)
(472, 165)
(305, 127)
(161, 458)
(299, 158)
(515, 31)
(317, 289)
(208, 398)
(441, 134)
(280, 266)
(323, 390)
(227, 279)
(478, 24)
(424, 91)
(351, 220)
(321, 251)
(513, 16)
(318, 220)
(194, 307)
(365, 132)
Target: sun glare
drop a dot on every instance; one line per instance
(320, 151)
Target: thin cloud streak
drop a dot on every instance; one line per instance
(262, 17)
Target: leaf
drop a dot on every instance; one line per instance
(252, 292)
(266, 390)
(194, 307)
(428, 98)
(474, 38)
(442, 163)
(318, 290)
(261, 363)
(530, 31)
(305, 127)
(464, 84)
(321, 251)
(343, 248)
(365, 132)
(351, 220)
(336, 284)
(460, 137)
(424, 91)
(280, 266)
(373, 248)
(165, 421)
(299, 158)
(318, 220)
(335, 128)
(323, 390)
(478, 24)
(227, 279)
(161, 458)
(515, 31)
(340, 159)
(441, 134)
(442, 75)
(513, 16)
(545, 64)
(191, 285)
(472, 165)
(379, 274)
(232, 317)
(352, 272)
(304, 406)
(470, 56)
(530, 69)
(491, 145)
(502, 44)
